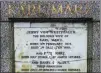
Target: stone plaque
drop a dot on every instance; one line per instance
(50, 47)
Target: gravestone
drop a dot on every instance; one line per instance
(50, 47)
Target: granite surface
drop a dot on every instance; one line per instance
(7, 50)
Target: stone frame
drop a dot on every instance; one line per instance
(89, 22)
(7, 31)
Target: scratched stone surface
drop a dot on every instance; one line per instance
(6, 31)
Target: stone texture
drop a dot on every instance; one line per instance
(96, 41)
(6, 40)
(96, 66)
(7, 50)
(94, 9)
(6, 65)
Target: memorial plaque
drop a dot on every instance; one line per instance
(50, 47)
